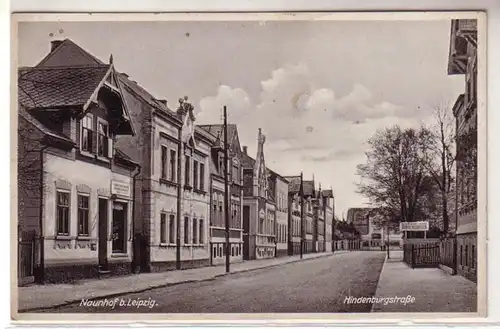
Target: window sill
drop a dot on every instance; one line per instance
(168, 182)
(85, 238)
(167, 244)
(103, 159)
(187, 187)
(87, 154)
(200, 192)
(63, 237)
(119, 255)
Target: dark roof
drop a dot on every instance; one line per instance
(217, 129)
(56, 87)
(247, 161)
(282, 178)
(37, 124)
(308, 188)
(327, 193)
(122, 155)
(293, 184)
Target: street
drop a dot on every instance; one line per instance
(309, 286)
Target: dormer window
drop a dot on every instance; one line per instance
(103, 141)
(87, 133)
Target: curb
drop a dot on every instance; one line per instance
(378, 282)
(121, 293)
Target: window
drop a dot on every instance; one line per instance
(195, 228)
(171, 229)
(163, 228)
(172, 165)
(195, 174)
(87, 133)
(119, 227)
(461, 258)
(201, 232)
(221, 215)
(103, 139)
(186, 230)
(235, 174)
(473, 254)
(62, 213)
(202, 177)
(466, 255)
(164, 161)
(214, 215)
(83, 215)
(187, 172)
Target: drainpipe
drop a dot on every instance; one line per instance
(134, 239)
(41, 277)
(179, 202)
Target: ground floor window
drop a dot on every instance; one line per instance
(63, 212)
(119, 243)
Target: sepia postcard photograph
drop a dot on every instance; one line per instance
(306, 165)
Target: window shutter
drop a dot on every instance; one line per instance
(110, 147)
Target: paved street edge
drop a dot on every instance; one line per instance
(121, 293)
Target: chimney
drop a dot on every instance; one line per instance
(54, 44)
(245, 149)
(162, 101)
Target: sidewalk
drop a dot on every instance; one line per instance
(38, 297)
(433, 289)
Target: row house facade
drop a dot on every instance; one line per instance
(75, 186)
(217, 192)
(113, 180)
(463, 61)
(316, 209)
(279, 192)
(259, 208)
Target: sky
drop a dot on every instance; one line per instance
(318, 89)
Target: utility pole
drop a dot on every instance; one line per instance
(388, 245)
(301, 191)
(226, 191)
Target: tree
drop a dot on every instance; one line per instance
(440, 149)
(392, 177)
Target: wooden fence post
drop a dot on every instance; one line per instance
(412, 256)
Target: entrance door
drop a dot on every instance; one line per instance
(103, 234)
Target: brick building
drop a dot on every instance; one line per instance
(75, 186)
(217, 191)
(463, 60)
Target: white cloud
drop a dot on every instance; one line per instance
(308, 128)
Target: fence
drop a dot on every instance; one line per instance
(421, 255)
(448, 253)
(346, 244)
(26, 257)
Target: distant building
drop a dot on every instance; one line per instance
(372, 234)
(463, 60)
(217, 218)
(294, 215)
(259, 208)
(278, 186)
(309, 196)
(329, 210)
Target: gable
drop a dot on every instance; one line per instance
(68, 54)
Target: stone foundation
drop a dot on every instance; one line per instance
(69, 273)
(185, 265)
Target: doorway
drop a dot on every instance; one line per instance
(119, 244)
(103, 234)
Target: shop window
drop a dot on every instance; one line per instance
(214, 251)
(119, 227)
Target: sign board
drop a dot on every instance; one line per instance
(414, 226)
(120, 188)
